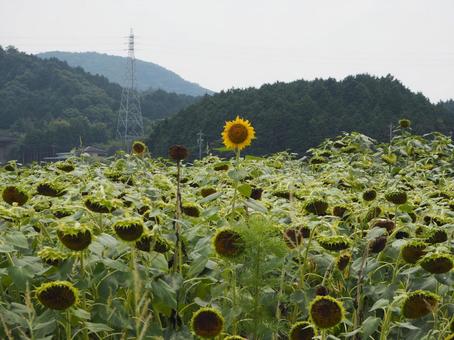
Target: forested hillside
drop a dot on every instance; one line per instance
(298, 115)
(52, 107)
(149, 75)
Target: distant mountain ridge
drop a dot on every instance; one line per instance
(52, 107)
(149, 75)
(299, 115)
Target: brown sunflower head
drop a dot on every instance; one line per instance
(101, 206)
(139, 148)
(228, 243)
(321, 290)
(59, 295)
(372, 213)
(404, 123)
(50, 189)
(397, 197)
(343, 260)
(207, 323)
(76, 238)
(302, 330)
(207, 191)
(340, 210)
(191, 209)
(293, 237)
(326, 311)
(178, 152)
(412, 251)
(316, 206)
(51, 256)
(369, 195)
(419, 303)
(437, 263)
(378, 244)
(334, 243)
(437, 236)
(129, 229)
(385, 223)
(13, 194)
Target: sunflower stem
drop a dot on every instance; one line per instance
(68, 325)
(236, 182)
(177, 259)
(234, 300)
(84, 301)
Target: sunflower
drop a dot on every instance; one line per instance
(13, 194)
(437, 263)
(76, 238)
(51, 256)
(343, 260)
(412, 251)
(228, 243)
(334, 243)
(207, 322)
(234, 337)
(129, 229)
(419, 303)
(139, 148)
(302, 330)
(58, 295)
(326, 311)
(238, 134)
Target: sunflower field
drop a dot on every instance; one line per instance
(353, 241)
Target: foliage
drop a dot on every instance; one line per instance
(298, 115)
(135, 289)
(55, 107)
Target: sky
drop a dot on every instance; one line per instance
(223, 44)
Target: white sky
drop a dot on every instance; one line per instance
(222, 44)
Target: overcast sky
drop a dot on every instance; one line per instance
(222, 44)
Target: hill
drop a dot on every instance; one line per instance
(149, 75)
(296, 116)
(52, 106)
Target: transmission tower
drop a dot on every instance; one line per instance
(130, 121)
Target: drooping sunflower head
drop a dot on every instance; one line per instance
(412, 251)
(207, 191)
(101, 206)
(51, 189)
(58, 295)
(437, 263)
(343, 260)
(234, 337)
(302, 330)
(388, 224)
(419, 303)
(207, 323)
(437, 235)
(191, 209)
(369, 195)
(66, 166)
(238, 134)
(129, 229)
(404, 123)
(13, 194)
(396, 197)
(316, 206)
(228, 243)
(61, 212)
(178, 152)
(77, 237)
(378, 244)
(139, 148)
(334, 243)
(51, 256)
(340, 210)
(372, 213)
(326, 311)
(292, 237)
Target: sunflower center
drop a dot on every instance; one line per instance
(208, 324)
(238, 133)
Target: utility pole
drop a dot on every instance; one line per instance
(200, 143)
(130, 121)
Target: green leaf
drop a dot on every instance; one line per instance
(17, 239)
(20, 276)
(369, 326)
(211, 197)
(379, 304)
(255, 205)
(97, 327)
(245, 190)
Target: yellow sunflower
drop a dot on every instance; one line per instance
(238, 134)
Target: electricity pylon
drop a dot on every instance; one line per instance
(130, 121)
